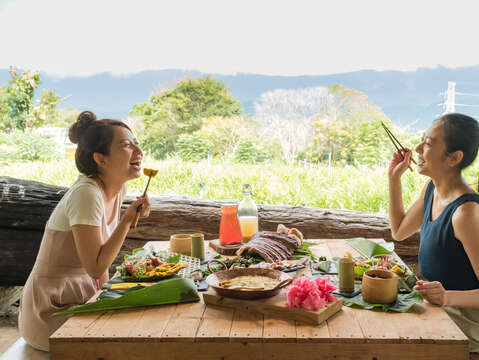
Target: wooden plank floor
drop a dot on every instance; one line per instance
(197, 331)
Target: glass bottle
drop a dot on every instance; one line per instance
(230, 232)
(248, 215)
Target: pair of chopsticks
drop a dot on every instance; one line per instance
(150, 173)
(397, 144)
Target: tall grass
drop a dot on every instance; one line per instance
(348, 187)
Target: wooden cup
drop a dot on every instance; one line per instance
(380, 286)
(181, 244)
(346, 275)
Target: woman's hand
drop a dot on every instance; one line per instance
(432, 291)
(145, 207)
(398, 164)
(143, 203)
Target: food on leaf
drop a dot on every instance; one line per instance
(149, 267)
(398, 270)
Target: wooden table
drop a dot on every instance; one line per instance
(196, 331)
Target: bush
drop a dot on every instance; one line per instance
(248, 153)
(192, 147)
(19, 145)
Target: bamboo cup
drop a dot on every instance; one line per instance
(380, 286)
(181, 244)
(198, 245)
(346, 275)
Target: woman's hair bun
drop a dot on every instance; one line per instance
(84, 120)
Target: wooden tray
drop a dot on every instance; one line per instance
(275, 306)
(224, 250)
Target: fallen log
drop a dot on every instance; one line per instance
(8, 296)
(26, 205)
(185, 215)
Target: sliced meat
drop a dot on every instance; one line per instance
(267, 250)
(270, 245)
(289, 241)
(276, 247)
(264, 253)
(277, 254)
(286, 250)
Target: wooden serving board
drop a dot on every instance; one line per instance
(224, 250)
(275, 306)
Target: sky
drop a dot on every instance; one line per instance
(81, 38)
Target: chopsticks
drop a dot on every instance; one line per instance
(150, 173)
(397, 144)
(138, 211)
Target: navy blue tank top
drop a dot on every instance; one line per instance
(441, 256)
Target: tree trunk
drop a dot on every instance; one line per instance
(26, 205)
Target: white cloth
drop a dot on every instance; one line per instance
(81, 205)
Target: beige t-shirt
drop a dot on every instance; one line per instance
(82, 204)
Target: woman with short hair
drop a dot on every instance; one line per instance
(447, 216)
(84, 233)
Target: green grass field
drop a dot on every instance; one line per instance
(363, 189)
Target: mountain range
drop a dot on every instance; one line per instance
(411, 99)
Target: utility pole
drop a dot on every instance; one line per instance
(451, 98)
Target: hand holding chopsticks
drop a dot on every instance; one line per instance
(150, 173)
(401, 149)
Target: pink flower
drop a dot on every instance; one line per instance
(309, 294)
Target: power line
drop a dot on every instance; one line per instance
(467, 105)
(466, 94)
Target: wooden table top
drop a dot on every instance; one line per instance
(197, 331)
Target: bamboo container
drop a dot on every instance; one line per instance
(198, 245)
(181, 244)
(380, 286)
(346, 275)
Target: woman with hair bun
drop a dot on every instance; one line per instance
(447, 216)
(84, 233)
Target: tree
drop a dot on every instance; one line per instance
(192, 147)
(348, 129)
(16, 99)
(17, 108)
(286, 116)
(181, 110)
(45, 110)
(224, 134)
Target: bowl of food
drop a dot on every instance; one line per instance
(379, 286)
(248, 284)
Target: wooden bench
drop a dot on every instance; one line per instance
(20, 350)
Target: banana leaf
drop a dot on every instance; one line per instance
(403, 303)
(107, 293)
(170, 291)
(304, 250)
(407, 284)
(370, 248)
